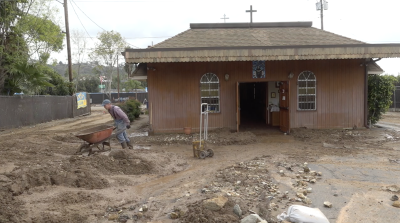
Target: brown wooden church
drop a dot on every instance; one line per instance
(285, 74)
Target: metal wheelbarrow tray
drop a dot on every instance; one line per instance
(94, 137)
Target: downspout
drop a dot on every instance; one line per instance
(366, 94)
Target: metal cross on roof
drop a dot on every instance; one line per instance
(224, 18)
(251, 13)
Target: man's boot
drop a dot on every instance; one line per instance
(129, 145)
(124, 145)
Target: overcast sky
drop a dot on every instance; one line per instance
(146, 22)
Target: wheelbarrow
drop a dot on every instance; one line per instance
(98, 137)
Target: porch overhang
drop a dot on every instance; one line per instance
(374, 68)
(268, 53)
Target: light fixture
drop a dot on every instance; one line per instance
(291, 74)
(226, 77)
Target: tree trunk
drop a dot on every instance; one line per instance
(2, 79)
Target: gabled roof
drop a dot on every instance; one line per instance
(260, 34)
(258, 41)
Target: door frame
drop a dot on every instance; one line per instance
(284, 106)
(237, 106)
(238, 101)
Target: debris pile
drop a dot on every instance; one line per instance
(253, 193)
(222, 137)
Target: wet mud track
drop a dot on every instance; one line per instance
(43, 181)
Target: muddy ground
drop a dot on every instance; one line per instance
(262, 171)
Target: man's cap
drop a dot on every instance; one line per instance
(106, 102)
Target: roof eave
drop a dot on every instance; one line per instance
(350, 51)
(263, 47)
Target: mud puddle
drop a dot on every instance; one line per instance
(137, 134)
(142, 147)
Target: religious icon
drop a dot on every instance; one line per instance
(259, 69)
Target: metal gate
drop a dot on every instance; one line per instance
(395, 106)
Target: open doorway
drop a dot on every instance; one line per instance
(255, 98)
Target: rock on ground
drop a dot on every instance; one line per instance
(253, 218)
(215, 204)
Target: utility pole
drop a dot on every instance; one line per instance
(322, 6)
(322, 15)
(118, 77)
(68, 41)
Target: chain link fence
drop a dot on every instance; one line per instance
(395, 106)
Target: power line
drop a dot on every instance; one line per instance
(89, 17)
(133, 45)
(145, 1)
(92, 21)
(145, 37)
(149, 37)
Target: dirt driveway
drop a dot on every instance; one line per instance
(263, 172)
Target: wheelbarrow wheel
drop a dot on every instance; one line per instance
(81, 147)
(202, 154)
(210, 152)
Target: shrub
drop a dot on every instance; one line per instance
(380, 90)
(131, 107)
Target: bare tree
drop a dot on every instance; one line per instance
(79, 50)
(106, 52)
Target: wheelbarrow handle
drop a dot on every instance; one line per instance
(119, 131)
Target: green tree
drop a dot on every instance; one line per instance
(131, 85)
(122, 79)
(13, 48)
(380, 90)
(143, 83)
(28, 32)
(90, 85)
(60, 85)
(42, 35)
(106, 52)
(27, 78)
(129, 68)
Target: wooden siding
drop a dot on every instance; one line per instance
(340, 95)
(174, 94)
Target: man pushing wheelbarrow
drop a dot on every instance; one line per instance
(121, 122)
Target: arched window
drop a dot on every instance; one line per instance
(307, 91)
(209, 91)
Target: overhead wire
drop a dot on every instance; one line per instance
(89, 17)
(80, 20)
(97, 1)
(92, 21)
(132, 45)
(145, 1)
(146, 37)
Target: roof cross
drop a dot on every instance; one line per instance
(251, 13)
(225, 18)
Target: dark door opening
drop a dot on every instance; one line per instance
(253, 105)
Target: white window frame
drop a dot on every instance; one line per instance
(208, 79)
(308, 77)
